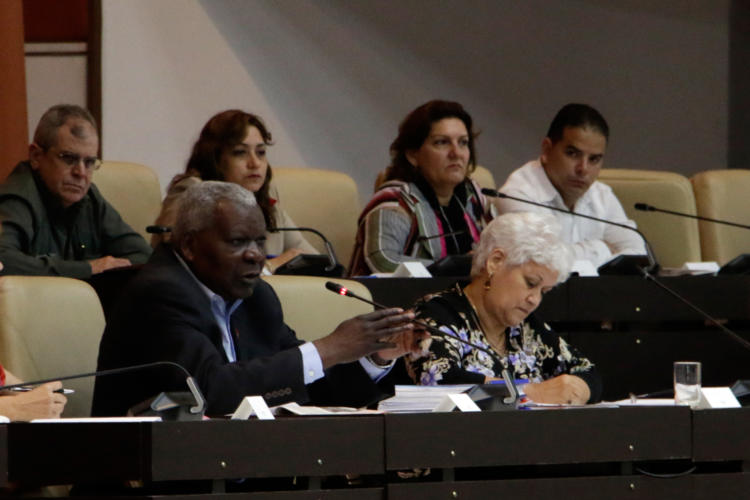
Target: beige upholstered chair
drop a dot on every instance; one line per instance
(675, 240)
(484, 178)
(133, 190)
(310, 309)
(324, 200)
(51, 327)
(725, 195)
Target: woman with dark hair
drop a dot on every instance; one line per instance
(232, 148)
(428, 208)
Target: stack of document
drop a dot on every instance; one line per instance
(417, 398)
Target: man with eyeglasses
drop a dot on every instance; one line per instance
(54, 220)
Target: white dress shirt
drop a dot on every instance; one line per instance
(594, 241)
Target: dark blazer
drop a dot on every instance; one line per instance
(40, 237)
(163, 315)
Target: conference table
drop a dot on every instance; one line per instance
(584, 453)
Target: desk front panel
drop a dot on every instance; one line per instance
(721, 434)
(564, 436)
(62, 453)
(3, 456)
(314, 446)
(690, 487)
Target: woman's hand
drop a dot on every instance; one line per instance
(41, 402)
(280, 260)
(563, 389)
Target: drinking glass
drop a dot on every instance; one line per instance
(687, 383)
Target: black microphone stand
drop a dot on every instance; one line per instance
(333, 261)
(652, 264)
(646, 272)
(645, 207)
(197, 409)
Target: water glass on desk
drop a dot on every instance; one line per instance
(687, 383)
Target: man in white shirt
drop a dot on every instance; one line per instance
(565, 176)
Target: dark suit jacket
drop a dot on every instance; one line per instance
(164, 316)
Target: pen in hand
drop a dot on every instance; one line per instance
(27, 389)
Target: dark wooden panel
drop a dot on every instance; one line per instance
(582, 488)
(569, 436)
(720, 486)
(3, 456)
(603, 298)
(640, 361)
(283, 447)
(56, 20)
(631, 298)
(61, 453)
(721, 434)
(345, 494)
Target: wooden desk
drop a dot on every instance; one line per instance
(589, 453)
(217, 449)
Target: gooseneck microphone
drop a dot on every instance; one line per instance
(645, 207)
(158, 229)
(342, 290)
(733, 335)
(200, 401)
(652, 263)
(444, 235)
(646, 272)
(333, 261)
(423, 238)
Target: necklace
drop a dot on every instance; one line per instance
(497, 344)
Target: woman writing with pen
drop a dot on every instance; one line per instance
(41, 402)
(519, 258)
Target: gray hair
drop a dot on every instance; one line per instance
(525, 237)
(45, 135)
(198, 204)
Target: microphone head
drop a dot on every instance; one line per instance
(335, 287)
(493, 193)
(158, 229)
(643, 206)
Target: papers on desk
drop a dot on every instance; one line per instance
(645, 402)
(416, 398)
(691, 268)
(106, 420)
(296, 409)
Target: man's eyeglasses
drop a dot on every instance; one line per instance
(71, 160)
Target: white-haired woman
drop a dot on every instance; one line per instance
(519, 258)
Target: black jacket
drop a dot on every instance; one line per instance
(163, 315)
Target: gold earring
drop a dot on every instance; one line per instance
(488, 283)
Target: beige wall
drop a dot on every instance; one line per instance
(334, 77)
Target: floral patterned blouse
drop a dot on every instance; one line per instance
(535, 351)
